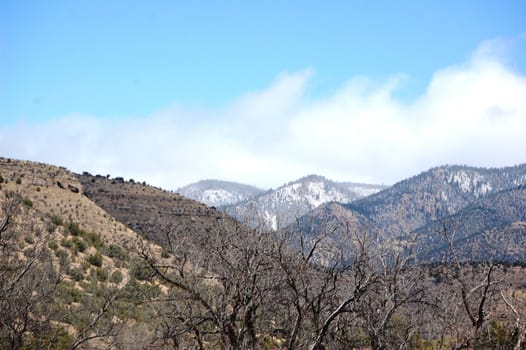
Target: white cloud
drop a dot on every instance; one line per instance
(473, 113)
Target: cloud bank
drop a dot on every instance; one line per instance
(473, 113)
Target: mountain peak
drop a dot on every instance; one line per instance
(278, 208)
(312, 177)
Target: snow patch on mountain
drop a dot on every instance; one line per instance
(219, 193)
(462, 180)
(472, 182)
(218, 197)
(279, 208)
(271, 221)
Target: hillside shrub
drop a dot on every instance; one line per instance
(53, 245)
(497, 336)
(134, 292)
(28, 202)
(102, 274)
(67, 293)
(76, 274)
(66, 243)
(55, 338)
(57, 220)
(95, 259)
(74, 229)
(93, 239)
(60, 252)
(79, 244)
(115, 251)
(63, 257)
(116, 277)
(140, 270)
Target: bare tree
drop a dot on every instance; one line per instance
(519, 326)
(338, 282)
(472, 291)
(28, 280)
(307, 286)
(386, 309)
(98, 320)
(220, 284)
(360, 275)
(334, 288)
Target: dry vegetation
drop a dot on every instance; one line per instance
(71, 263)
(151, 211)
(74, 277)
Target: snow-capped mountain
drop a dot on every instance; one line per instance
(425, 198)
(218, 193)
(482, 209)
(433, 194)
(279, 208)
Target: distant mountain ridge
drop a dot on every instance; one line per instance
(436, 193)
(279, 208)
(469, 197)
(218, 193)
(493, 226)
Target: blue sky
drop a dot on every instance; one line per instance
(206, 69)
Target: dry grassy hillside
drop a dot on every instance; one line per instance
(54, 191)
(69, 270)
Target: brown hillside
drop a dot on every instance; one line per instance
(70, 274)
(55, 191)
(153, 212)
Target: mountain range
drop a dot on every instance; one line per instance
(481, 208)
(460, 196)
(92, 262)
(492, 227)
(275, 209)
